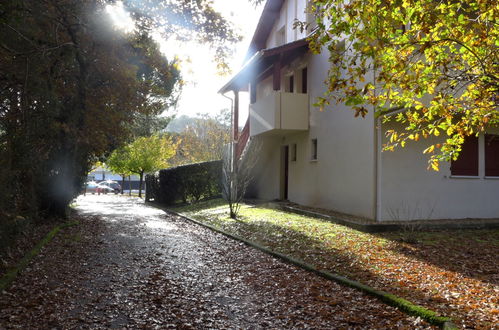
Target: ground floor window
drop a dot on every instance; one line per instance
(491, 155)
(467, 162)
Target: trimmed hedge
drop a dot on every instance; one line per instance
(185, 183)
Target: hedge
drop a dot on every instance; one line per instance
(185, 183)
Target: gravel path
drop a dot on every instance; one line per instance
(128, 265)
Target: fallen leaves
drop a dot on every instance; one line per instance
(112, 271)
(452, 272)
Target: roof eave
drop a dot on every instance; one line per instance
(232, 82)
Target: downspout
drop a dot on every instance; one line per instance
(378, 141)
(379, 171)
(231, 146)
(232, 158)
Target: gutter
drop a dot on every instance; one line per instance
(252, 60)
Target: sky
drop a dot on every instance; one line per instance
(200, 92)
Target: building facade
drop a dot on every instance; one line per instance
(330, 159)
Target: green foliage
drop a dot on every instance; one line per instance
(149, 154)
(73, 88)
(185, 183)
(204, 139)
(434, 60)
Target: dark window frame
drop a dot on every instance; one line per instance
(314, 151)
(304, 80)
(467, 163)
(294, 149)
(491, 150)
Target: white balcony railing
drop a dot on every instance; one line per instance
(278, 112)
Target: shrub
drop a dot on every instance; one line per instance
(185, 183)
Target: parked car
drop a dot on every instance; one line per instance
(103, 189)
(113, 185)
(99, 188)
(91, 187)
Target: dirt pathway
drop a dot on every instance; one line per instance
(130, 265)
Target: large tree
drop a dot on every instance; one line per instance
(431, 65)
(205, 138)
(149, 154)
(117, 162)
(70, 85)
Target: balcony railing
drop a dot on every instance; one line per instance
(279, 112)
(243, 139)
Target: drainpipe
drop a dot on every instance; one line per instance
(379, 171)
(232, 149)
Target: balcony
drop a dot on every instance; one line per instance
(279, 112)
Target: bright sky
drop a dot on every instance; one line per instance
(199, 72)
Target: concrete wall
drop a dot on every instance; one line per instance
(411, 191)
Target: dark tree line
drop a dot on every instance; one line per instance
(72, 89)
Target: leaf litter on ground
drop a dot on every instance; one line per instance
(453, 272)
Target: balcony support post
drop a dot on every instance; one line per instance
(235, 117)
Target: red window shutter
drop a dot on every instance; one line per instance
(491, 155)
(467, 162)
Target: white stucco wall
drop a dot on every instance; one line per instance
(342, 178)
(291, 10)
(266, 180)
(410, 191)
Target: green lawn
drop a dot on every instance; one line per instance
(453, 272)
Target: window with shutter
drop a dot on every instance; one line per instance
(467, 162)
(491, 155)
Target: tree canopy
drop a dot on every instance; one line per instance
(72, 87)
(204, 139)
(149, 154)
(431, 65)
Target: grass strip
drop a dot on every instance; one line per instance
(11, 275)
(402, 304)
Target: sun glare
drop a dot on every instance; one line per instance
(121, 18)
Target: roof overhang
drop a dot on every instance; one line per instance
(270, 15)
(262, 61)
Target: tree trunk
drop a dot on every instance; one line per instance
(122, 183)
(140, 183)
(129, 185)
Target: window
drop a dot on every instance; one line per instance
(467, 162)
(314, 150)
(491, 155)
(291, 84)
(281, 36)
(304, 86)
(293, 152)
